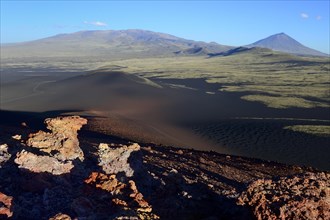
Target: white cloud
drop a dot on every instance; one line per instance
(318, 17)
(96, 23)
(304, 15)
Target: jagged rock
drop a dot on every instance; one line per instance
(138, 198)
(106, 182)
(62, 142)
(5, 205)
(17, 137)
(60, 216)
(129, 198)
(39, 164)
(114, 160)
(299, 197)
(4, 155)
(119, 202)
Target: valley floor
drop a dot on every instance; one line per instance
(174, 112)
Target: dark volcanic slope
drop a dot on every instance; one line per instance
(284, 43)
(136, 108)
(126, 104)
(108, 44)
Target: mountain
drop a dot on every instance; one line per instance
(110, 44)
(284, 43)
(135, 43)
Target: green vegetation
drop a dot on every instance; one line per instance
(275, 79)
(283, 101)
(318, 130)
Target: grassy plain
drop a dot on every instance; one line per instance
(149, 98)
(318, 130)
(275, 79)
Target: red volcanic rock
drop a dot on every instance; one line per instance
(105, 182)
(300, 197)
(39, 164)
(62, 140)
(67, 125)
(138, 198)
(61, 145)
(126, 196)
(119, 202)
(5, 205)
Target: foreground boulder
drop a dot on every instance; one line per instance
(62, 143)
(106, 182)
(299, 197)
(126, 197)
(39, 164)
(61, 147)
(115, 159)
(5, 205)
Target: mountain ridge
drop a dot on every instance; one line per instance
(110, 44)
(137, 43)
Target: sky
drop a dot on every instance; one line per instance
(233, 23)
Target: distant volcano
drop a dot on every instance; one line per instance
(284, 43)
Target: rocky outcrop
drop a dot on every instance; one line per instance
(299, 197)
(121, 180)
(62, 143)
(125, 196)
(5, 205)
(4, 155)
(60, 147)
(17, 137)
(39, 164)
(115, 159)
(138, 198)
(106, 182)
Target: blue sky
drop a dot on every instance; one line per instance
(226, 22)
